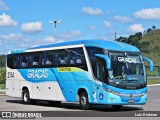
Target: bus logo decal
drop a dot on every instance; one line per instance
(127, 59)
(39, 73)
(101, 96)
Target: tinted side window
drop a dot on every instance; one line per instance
(54, 58)
(10, 59)
(77, 58)
(49, 60)
(66, 58)
(16, 61)
(13, 61)
(93, 50)
(36, 60)
(98, 64)
(63, 58)
(25, 61)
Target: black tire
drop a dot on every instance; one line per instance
(26, 97)
(84, 102)
(117, 107)
(54, 103)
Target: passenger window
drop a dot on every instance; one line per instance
(54, 58)
(77, 58)
(24, 62)
(16, 61)
(50, 58)
(63, 58)
(36, 60)
(10, 61)
(30, 61)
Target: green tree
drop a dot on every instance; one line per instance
(149, 30)
(132, 39)
(153, 27)
(2, 76)
(2, 60)
(122, 39)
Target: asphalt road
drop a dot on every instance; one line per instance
(15, 104)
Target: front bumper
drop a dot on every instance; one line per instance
(113, 99)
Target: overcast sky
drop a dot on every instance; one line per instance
(24, 23)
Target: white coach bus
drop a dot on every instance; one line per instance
(86, 71)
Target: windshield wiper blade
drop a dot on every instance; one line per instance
(115, 83)
(135, 80)
(140, 83)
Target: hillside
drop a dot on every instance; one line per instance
(152, 49)
(2, 60)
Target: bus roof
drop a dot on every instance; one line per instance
(110, 45)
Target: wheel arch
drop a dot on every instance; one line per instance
(26, 88)
(83, 89)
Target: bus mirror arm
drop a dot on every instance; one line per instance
(150, 63)
(106, 58)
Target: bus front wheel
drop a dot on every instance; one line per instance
(84, 102)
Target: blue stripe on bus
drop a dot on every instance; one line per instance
(36, 75)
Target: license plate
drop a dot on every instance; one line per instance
(130, 101)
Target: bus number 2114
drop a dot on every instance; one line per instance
(10, 74)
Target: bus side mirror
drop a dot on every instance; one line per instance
(150, 63)
(108, 61)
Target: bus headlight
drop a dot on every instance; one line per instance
(111, 91)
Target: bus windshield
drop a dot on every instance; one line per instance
(127, 70)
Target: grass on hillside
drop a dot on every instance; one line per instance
(2, 75)
(2, 68)
(153, 73)
(2, 86)
(153, 49)
(153, 81)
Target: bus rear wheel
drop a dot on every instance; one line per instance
(26, 96)
(84, 102)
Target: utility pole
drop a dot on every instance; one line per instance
(115, 35)
(55, 22)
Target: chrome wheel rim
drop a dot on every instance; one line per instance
(25, 97)
(83, 101)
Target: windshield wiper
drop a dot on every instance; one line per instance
(135, 80)
(115, 83)
(140, 83)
